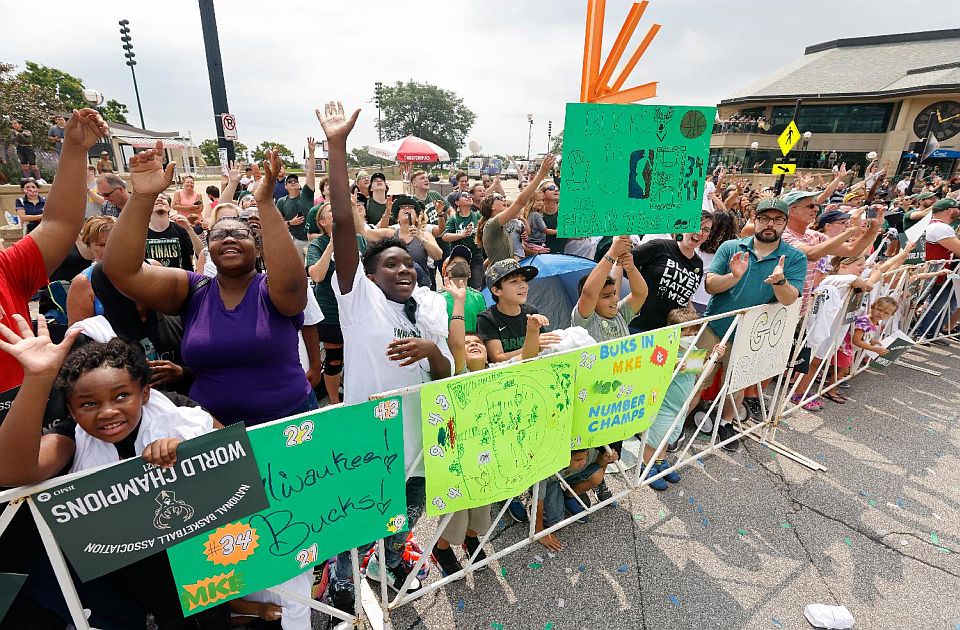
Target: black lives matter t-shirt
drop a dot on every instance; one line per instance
(671, 278)
(171, 247)
(511, 330)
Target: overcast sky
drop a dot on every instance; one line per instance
(505, 58)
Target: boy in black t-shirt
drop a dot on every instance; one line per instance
(503, 326)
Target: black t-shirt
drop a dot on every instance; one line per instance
(671, 278)
(511, 330)
(555, 244)
(171, 247)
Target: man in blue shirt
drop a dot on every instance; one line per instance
(749, 272)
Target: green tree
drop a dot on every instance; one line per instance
(556, 145)
(362, 157)
(30, 103)
(69, 87)
(209, 151)
(115, 111)
(285, 154)
(426, 111)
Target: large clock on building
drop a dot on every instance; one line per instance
(943, 119)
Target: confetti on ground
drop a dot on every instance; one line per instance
(904, 542)
(785, 525)
(461, 604)
(847, 541)
(551, 555)
(821, 457)
(662, 513)
(503, 571)
(535, 565)
(872, 503)
(864, 493)
(582, 568)
(699, 509)
(734, 478)
(899, 503)
(538, 558)
(934, 538)
(615, 504)
(549, 626)
(496, 625)
(638, 517)
(705, 522)
(943, 550)
(936, 516)
(777, 622)
(691, 501)
(742, 532)
(750, 467)
(623, 568)
(561, 603)
(674, 600)
(681, 494)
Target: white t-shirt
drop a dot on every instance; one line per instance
(708, 189)
(369, 322)
(937, 231)
(311, 315)
(826, 312)
(701, 296)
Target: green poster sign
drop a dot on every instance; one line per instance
(489, 436)
(115, 517)
(633, 169)
(620, 386)
(10, 585)
(334, 479)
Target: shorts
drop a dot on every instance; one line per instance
(330, 333)
(27, 156)
(843, 360)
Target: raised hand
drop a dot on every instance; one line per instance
(547, 164)
(271, 168)
(776, 275)
(85, 128)
(619, 247)
(457, 290)
(36, 354)
(739, 263)
(842, 171)
(147, 175)
(311, 145)
(537, 321)
(235, 172)
(335, 125)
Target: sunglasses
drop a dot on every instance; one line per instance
(551, 187)
(235, 233)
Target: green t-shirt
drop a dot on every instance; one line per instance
(457, 223)
(474, 305)
(432, 198)
(375, 210)
(301, 205)
(323, 290)
(555, 244)
(312, 227)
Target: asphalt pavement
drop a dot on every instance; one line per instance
(748, 539)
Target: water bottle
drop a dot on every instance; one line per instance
(12, 219)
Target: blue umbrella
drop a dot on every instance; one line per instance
(554, 291)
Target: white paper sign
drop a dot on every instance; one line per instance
(761, 348)
(918, 229)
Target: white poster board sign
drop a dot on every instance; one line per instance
(762, 344)
(917, 230)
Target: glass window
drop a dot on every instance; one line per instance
(855, 118)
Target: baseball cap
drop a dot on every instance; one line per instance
(378, 175)
(946, 204)
(831, 217)
(460, 251)
(925, 195)
(794, 196)
(773, 203)
(500, 270)
(406, 200)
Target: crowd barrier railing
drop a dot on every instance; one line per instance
(375, 608)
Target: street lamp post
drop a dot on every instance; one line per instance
(129, 54)
(529, 134)
(549, 134)
(806, 140)
(377, 95)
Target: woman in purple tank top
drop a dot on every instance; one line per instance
(240, 331)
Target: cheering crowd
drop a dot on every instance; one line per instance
(182, 320)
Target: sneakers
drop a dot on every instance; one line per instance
(672, 476)
(660, 484)
(602, 491)
(518, 512)
(725, 432)
(673, 448)
(446, 561)
(573, 506)
(396, 576)
(753, 407)
(470, 545)
(811, 405)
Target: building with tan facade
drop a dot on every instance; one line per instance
(859, 95)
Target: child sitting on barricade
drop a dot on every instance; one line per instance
(664, 430)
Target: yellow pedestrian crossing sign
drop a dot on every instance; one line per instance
(784, 169)
(789, 138)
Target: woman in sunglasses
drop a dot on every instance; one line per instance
(240, 332)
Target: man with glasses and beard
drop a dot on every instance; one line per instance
(114, 192)
(751, 271)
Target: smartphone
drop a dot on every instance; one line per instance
(871, 212)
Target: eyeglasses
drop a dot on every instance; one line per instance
(235, 233)
(808, 205)
(764, 219)
(107, 194)
(551, 187)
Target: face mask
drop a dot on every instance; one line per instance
(687, 341)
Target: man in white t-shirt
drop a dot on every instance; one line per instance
(395, 336)
(941, 244)
(708, 189)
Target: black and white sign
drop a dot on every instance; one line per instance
(229, 127)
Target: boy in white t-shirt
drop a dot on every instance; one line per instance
(395, 335)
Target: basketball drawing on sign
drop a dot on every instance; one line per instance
(693, 124)
(492, 441)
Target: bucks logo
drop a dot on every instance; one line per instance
(170, 508)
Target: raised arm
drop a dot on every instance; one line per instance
(456, 329)
(587, 302)
(67, 201)
(337, 127)
(311, 182)
(527, 193)
(832, 186)
(286, 282)
(163, 289)
(899, 259)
